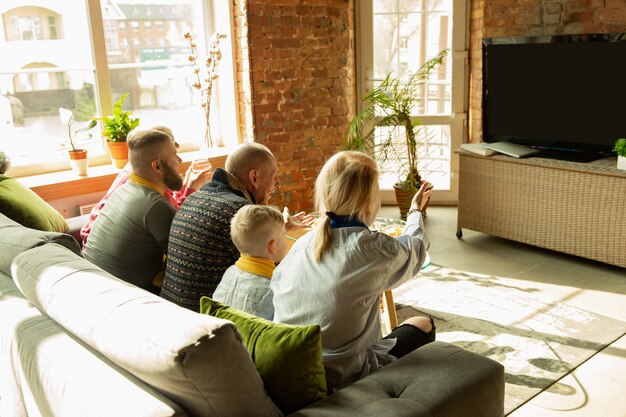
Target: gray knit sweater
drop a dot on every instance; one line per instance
(200, 248)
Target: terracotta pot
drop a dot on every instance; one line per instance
(119, 153)
(404, 196)
(79, 161)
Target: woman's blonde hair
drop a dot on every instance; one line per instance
(347, 185)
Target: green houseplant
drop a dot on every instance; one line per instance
(78, 157)
(5, 163)
(620, 150)
(115, 129)
(391, 105)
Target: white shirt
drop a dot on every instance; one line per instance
(341, 292)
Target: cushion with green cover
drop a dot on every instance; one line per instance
(23, 206)
(288, 358)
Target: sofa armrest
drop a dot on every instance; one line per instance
(436, 380)
(75, 224)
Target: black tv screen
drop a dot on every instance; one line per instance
(555, 92)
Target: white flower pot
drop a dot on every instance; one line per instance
(79, 162)
(621, 163)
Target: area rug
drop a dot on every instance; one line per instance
(537, 339)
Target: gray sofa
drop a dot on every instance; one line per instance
(75, 341)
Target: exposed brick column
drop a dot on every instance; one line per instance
(302, 86)
(493, 18)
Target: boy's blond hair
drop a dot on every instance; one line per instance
(347, 185)
(253, 226)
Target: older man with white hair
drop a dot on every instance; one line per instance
(200, 248)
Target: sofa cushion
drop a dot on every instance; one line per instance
(44, 370)
(15, 239)
(288, 358)
(196, 360)
(21, 204)
(436, 380)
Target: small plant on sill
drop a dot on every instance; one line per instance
(204, 83)
(5, 163)
(117, 127)
(67, 119)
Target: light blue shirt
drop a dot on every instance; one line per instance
(247, 292)
(341, 293)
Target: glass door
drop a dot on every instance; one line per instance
(399, 36)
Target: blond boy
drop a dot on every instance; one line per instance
(258, 232)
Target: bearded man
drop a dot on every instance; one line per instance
(130, 235)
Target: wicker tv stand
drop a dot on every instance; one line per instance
(570, 207)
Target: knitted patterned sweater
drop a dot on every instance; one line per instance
(200, 248)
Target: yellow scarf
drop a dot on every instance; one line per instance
(255, 265)
(136, 179)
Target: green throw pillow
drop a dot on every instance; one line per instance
(23, 206)
(288, 358)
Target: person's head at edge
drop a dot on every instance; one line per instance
(255, 167)
(152, 155)
(347, 186)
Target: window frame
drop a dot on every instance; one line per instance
(458, 57)
(215, 16)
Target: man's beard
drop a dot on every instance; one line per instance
(172, 179)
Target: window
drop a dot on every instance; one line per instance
(398, 36)
(88, 79)
(52, 27)
(28, 28)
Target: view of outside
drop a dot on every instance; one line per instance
(406, 34)
(51, 65)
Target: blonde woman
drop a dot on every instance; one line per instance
(334, 275)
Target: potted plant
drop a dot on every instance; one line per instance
(391, 105)
(620, 150)
(115, 129)
(204, 83)
(78, 156)
(5, 163)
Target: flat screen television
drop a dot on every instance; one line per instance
(565, 95)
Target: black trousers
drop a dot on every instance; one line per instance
(410, 338)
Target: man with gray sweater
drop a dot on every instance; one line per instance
(129, 238)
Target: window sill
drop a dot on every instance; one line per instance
(65, 184)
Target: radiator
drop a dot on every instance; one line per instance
(86, 208)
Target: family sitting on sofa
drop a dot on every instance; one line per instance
(308, 315)
(224, 242)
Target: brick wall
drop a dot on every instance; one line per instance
(492, 18)
(302, 85)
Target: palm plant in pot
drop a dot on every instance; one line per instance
(115, 129)
(390, 106)
(78, 156)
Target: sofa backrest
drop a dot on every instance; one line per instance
(196, 360)
(15, 239)
(46, 372)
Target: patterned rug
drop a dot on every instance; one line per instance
(537, 339)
